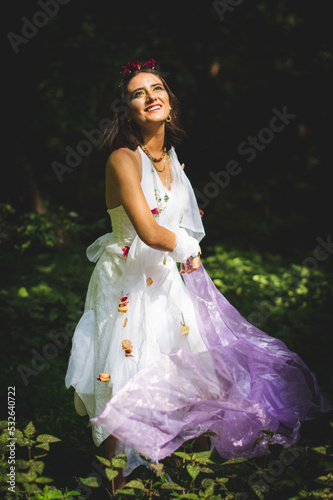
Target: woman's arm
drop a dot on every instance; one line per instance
(122, 176)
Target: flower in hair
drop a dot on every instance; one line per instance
(151, 63)
(136, 65)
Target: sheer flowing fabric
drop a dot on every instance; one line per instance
(195, 363)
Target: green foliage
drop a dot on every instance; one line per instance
(39, 301)
(35, 230)
(27, 473)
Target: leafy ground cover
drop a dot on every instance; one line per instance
(42, 294)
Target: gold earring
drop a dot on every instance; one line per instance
(168, 119)
(129, 123)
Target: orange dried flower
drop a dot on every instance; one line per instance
(103, 377)
(123, 305)
(127, 347)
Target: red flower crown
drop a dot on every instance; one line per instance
(136, 65)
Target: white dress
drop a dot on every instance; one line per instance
(157, 297)
(226, 375)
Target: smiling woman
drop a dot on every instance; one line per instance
(123, 131)
(157, 360)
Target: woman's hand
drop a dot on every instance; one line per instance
(192, 264)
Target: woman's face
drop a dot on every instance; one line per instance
(147, 99)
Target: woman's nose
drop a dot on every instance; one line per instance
(150, 96)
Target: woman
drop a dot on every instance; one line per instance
(156, 361)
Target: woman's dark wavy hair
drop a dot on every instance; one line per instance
(122, 134)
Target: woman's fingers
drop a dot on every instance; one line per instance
(190, 266)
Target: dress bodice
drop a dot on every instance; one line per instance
(121, 225)
(170, 217)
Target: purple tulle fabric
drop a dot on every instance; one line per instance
(245, 382)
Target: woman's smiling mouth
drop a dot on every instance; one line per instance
(154, 107)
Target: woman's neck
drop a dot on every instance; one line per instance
(154, 142)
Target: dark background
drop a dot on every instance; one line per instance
(228, 75)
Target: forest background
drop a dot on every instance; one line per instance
(254, 82)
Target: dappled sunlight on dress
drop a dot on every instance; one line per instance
(221, 374)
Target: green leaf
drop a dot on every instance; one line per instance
(120, 463)
(54, 494)
(205, 483)
(209, 491)
(222, 480)
(38, 466)
(157, 468)
(43, 446)
(29, 476)
(90, 481)
(207, 470)
(193, 470)
(235, 460)
(23, 441)
(259, 438)
(128, 491)
(171, 486)
(44, 480)
(111, 474)
(104, 461)
(180, 454)
(202, 458)
(47, 438)
(30, 430)
(23, 464)
(135, 484)
(191, 496)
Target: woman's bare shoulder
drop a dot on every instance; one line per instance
(121, 157)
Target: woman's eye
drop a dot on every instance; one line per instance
(138, 93)
(158, 87)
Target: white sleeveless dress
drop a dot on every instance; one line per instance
(157, 306)
(226, 375)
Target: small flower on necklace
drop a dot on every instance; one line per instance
(155, 211)
(125, 251)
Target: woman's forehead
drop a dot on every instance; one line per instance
(143, 80)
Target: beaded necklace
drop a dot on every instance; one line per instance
(160, 200)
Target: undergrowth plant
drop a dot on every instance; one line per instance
(27, 472)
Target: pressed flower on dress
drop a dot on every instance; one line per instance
(127, 347)
(123, 305)
(184, 329)
(103, 377)
(125, 251)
